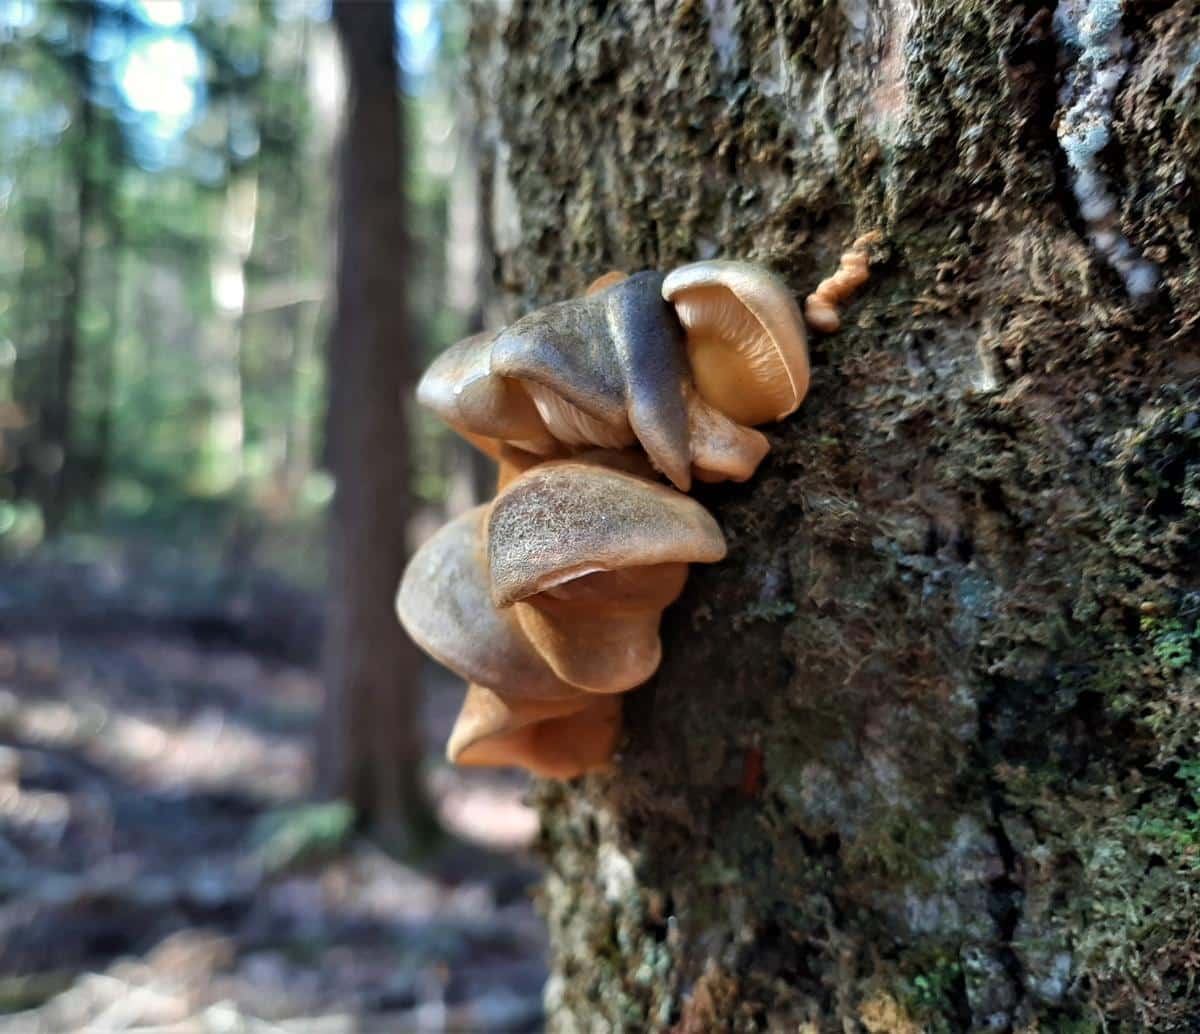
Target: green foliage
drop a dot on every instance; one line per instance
(929, 991)
(302, 834)
(1173, 642)
(179, 271)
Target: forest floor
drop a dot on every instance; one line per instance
(161, 870)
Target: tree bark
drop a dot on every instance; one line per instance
(921, 751)
(373, 746)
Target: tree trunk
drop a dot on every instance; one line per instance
(373, 744)
(60, 415)
(107, 374)
(922, 751)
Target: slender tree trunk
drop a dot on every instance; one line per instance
(108, 375)
(373, 746)
(922, 751)
(60, 422)
(224, 342)
(33, 372)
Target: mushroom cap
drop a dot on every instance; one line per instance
(565, 519)
(445, 605)
(721, 448)
(745, 338)
(484, 408)
(600, 631)
(511, 464)
(554, 744)
(613, 360)
(650, 348)
(605, 281)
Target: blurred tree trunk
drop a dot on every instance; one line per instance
(59, 425)
(34, 370)
(106, 360)
(224, 343)
(922, 752)
(373, 741)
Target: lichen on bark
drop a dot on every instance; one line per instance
(958, 625)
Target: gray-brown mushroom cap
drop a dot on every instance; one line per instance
(565, 519)
(605, 369)
(486, 408)
(445, 604)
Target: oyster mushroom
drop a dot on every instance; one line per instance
(745, 339)
(445, 605)
(588, 557)
(492, 730)
(610, 370)
(606, 370)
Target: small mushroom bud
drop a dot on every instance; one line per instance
(588, 557)
(821, 307)
(492, 730)
(745, 339)
(604, 281)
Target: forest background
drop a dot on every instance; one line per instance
(180, 830)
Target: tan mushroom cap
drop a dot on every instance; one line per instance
(588, 557)
(745, 338)
(445, 605)
(604, 281)
(567, 518)
(562, 743)
(722, 450)
(600, 631)
(484, 408)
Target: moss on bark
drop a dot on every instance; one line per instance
(958, 625)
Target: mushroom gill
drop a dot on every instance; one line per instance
(745, 338)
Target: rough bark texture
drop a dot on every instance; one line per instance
(957, 627)
(371, 749)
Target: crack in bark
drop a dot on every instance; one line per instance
(1006, 900)
(1006, 893)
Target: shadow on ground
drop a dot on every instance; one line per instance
(141, 760)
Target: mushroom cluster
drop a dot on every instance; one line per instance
(600, 412)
